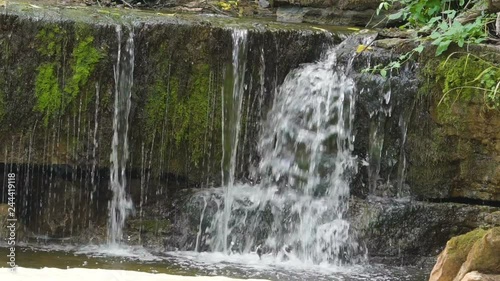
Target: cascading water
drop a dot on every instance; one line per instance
(297, 209)
(120, 204)
(231, 124)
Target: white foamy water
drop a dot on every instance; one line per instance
(115, 250)
(297, 209)
(80, 274)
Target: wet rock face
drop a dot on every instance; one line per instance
(404, 232)
(56, 106)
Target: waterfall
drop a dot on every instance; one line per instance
(297, 209)
(231, 124)
(120, 204)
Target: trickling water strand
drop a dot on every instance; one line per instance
(121, 205)
(298, 209)
(200, 230)
(404, 120)
(230, 129)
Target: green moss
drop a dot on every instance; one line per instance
(85, 58)
(52, 99)
(198, 106)
(467, 79)
(186, 102)
(49, 96)
(459, 246)
(2, 104)
(50, 41)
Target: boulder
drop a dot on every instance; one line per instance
(478, 250)
(454, 255)
(484, 255)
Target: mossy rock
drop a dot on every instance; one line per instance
(454, 255)
(484, 256)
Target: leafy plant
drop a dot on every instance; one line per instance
(438, 21)
(455, 32)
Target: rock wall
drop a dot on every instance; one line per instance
(56, 91)
(453, 146)
(56, 104)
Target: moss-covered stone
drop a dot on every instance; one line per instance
(484, 256)
(454, 255)
(478, 250)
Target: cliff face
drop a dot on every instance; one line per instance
(57, 88)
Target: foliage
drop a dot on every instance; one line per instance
(441, 19)
(470, 33)
(228, 5)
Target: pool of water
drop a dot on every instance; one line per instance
(203, 264)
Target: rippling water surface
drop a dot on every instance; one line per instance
(204, 264)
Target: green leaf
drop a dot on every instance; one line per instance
(442, 47)
(383, 72)
(419, 49)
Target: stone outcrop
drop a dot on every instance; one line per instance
(467, 255)
(484, 256)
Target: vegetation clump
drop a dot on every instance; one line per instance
(52, 97)
(469, 77)
(440, 22)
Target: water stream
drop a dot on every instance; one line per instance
(286, 221)
(121, 205)
(297, 209)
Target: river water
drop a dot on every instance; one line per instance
(203, 264)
